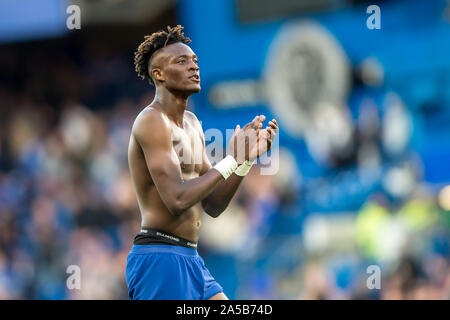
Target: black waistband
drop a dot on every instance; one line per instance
(155, 236)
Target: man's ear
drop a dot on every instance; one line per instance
(157, 74)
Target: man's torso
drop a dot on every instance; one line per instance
(188, 149)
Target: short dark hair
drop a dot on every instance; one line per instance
(154, 42)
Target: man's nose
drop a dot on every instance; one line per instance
(193, 66)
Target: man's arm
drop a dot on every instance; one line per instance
(218, 200)
(153, 133)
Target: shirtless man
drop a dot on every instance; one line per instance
(173, 178)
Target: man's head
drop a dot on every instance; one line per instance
(165, 59)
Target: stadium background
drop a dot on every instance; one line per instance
(364, 145)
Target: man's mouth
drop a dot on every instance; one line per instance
(195, 78)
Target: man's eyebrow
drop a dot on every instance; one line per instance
(186, 56)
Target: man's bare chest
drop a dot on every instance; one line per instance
(188, 146)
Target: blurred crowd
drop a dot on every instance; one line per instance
(384, 250)
(66, 199)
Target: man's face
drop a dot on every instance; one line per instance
(177, 68)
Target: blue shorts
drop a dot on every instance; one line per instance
(166, 272)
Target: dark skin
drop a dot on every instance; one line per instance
(172, 176)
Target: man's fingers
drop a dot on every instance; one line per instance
(273, 124)
(271, 131)
(267, 140)
(257, 122)
(251, 123)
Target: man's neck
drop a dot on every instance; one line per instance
(173, 105)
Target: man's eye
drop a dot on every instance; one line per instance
(181, 61)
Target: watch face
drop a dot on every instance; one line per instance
(305, 66)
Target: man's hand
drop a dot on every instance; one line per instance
(265, 138)
(246, 139)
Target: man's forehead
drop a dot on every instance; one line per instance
(177, 49)
(173, 50)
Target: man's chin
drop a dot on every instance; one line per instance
(188, 90)
(195, 89)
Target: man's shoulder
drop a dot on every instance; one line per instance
(193, 118)
(190, 115)
(150, 119)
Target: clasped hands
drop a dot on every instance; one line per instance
(252, 141)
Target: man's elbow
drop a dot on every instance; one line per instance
(212, 211)
(178, 207)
